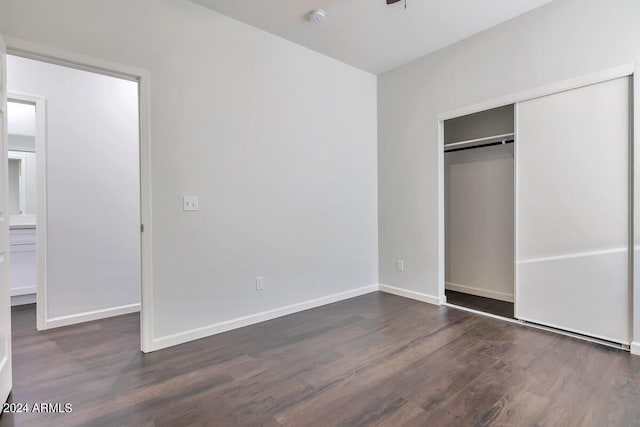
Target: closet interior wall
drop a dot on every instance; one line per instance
(479, 205)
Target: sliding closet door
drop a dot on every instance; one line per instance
(572, 195)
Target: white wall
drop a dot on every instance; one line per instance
(21, 119)
(278, 141)
(561, 40)
(93, 214)
(479, 215)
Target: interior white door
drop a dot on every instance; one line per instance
(5, 299)
(572, 198)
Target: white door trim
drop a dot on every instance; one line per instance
(70, 59)
(625, 70)
(6, 380)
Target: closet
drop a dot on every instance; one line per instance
(537, 210)
(479, 210)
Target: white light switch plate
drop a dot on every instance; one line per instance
(189, 203)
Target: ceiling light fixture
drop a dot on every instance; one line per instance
(317, 15)
(396, 1)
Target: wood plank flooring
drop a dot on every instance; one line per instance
(377, 359)
(487, 305)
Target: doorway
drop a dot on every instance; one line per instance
(22, 133)
(76, 195)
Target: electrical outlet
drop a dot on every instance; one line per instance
(400, 265)
(189, 203)
(259, 283)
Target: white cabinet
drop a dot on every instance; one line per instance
(22, 249)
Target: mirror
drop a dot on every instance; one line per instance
(16, 188)
(22, 188)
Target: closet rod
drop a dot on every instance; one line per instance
(491, 138)
(509, 141)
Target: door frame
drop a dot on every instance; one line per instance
(625, 70)
(23, 48)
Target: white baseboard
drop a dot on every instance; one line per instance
(23, 299)
(88, 316)
(25, 290)
(239, 322)
(419, 296)
(635, 348)
(502, 296)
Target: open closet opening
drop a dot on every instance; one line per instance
(479, 211)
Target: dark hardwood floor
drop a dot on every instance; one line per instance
(488, 305)
(373, 360)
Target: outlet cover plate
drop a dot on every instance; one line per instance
(190, 203)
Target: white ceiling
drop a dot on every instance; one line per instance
(369, 34)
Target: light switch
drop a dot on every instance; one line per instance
(189, 203)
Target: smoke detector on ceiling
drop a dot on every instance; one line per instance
(317, 15)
